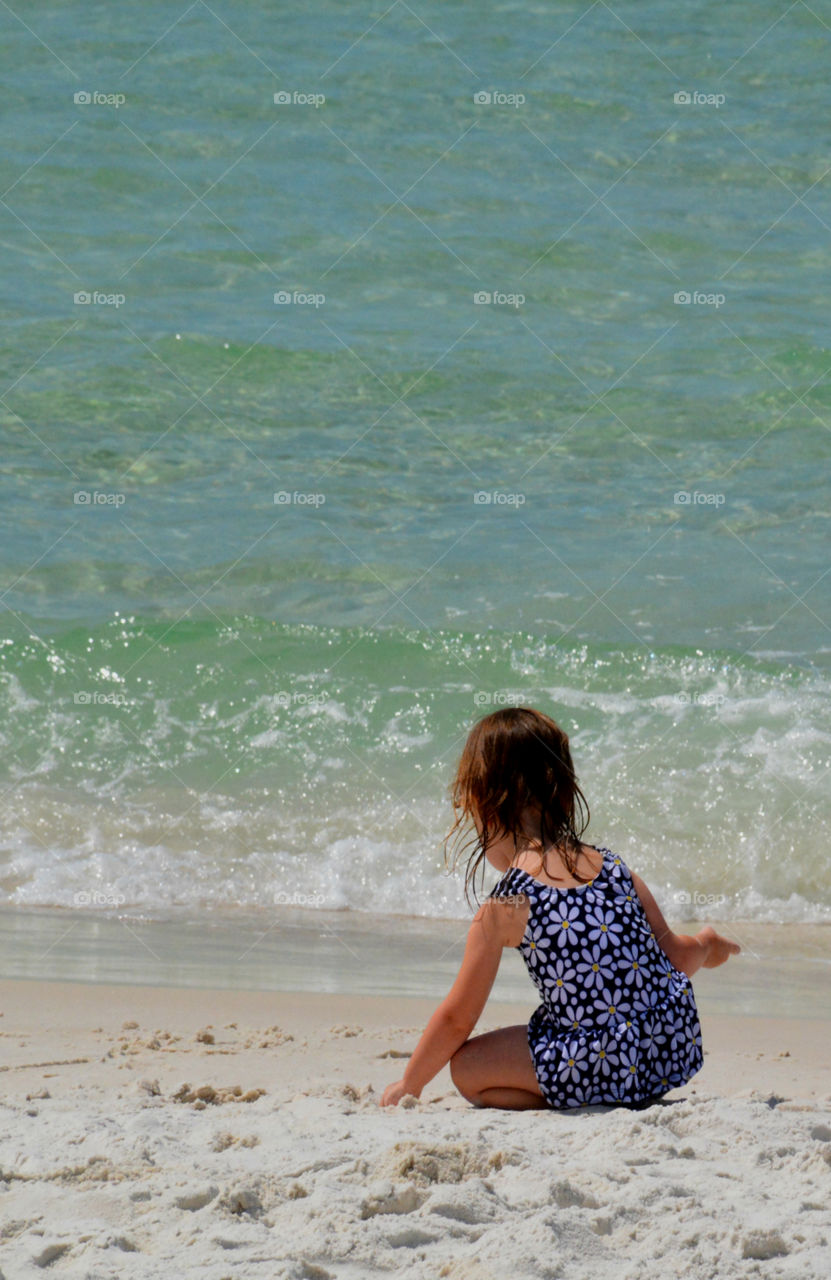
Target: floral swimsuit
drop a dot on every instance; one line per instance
(618, 1023)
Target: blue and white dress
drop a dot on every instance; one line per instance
(618, 1023)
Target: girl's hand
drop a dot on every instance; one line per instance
(718, 949)
(393, 1094)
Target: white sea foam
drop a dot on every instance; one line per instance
(707, 775)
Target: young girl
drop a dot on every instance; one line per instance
(618, 1023)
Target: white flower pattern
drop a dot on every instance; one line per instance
(617, 1023)
(594, 969)
(604, 928)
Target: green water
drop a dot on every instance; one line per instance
(482, 497)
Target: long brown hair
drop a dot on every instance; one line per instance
(516, 759)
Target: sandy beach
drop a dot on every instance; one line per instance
(156, 1131)
(372, 373)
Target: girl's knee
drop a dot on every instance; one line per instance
(457, 1067)
(460, 1072)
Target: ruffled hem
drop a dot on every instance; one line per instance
(615, 1064)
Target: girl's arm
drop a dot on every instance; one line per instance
(685, 951)
(460, 1010)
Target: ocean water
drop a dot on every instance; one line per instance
(265, 562)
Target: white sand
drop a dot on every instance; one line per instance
(103, 1173)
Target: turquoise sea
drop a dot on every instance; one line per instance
(541, 414)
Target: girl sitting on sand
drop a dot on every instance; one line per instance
(618, 1024)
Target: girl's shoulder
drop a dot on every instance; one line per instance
(617, 866)
(513, 881)
(506, 884)
(617, 872)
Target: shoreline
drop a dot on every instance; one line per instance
(782, 971)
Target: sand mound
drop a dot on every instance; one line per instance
(425, 1164)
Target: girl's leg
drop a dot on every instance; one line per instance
(496, 1070)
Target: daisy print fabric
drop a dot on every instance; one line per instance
(617, 1023)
